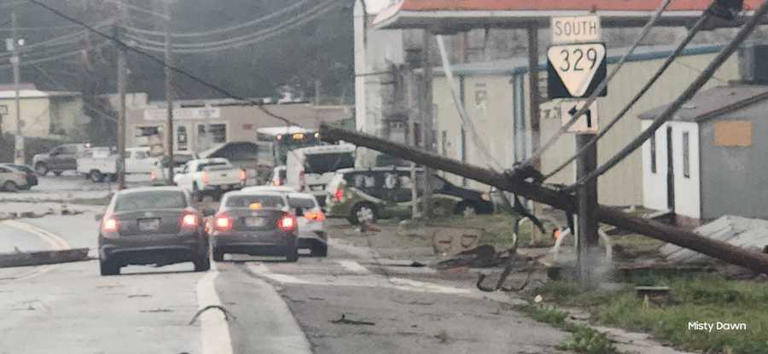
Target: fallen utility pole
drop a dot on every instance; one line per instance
(560, 200)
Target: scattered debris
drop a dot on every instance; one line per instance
(139, 295)
(443, 336)
(366, 227)
(746, 233)
(227, 315)
(655, 294)
(19, 258)
(344, 320)
(156, 310)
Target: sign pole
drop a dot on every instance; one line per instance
(586, 202)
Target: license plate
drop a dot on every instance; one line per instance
(149, 224)
(318, 187)
(254, 221)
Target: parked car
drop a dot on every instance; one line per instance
(152, 225)
(254, 158)
(210, 177)
(11, 179)
(312, 233)
(59, 159)
(100, 163)
(28, 171)
(367, 195)
(254, 223)
(159, 171)
(310, 169)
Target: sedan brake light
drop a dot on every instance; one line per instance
(205, 178)
(315, 215)
(109, 224)
(287, 222)
(189, 221)
(243, 176)
(152, 176)
(222, 222)
(339, 195)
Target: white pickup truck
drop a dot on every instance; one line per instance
(212, 177)
(100, 163)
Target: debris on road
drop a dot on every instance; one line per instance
(344, 320)
(227, 315)
(18, 259)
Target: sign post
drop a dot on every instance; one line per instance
(576, 65)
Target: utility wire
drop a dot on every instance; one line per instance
(53, 57)
(240, 41)
(670, 59)
(62, 87)
(702, 79)
(221, 30)
(161, 62)
(69, 38)
(536, 155)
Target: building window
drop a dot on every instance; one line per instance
(211, 134)
(686, 156)
(181, 138)
(653, 153)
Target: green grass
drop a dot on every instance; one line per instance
(583, 338)
(703, 298)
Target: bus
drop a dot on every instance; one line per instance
(285, 139)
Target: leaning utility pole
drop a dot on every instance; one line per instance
(18, 156)
(755, 261)
(534, 98)
(121, 85)
(169, 91)
(427, 120)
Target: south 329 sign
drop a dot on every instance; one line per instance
(575, 70)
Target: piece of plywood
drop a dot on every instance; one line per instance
(733, 133)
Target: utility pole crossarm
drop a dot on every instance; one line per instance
(560, 200)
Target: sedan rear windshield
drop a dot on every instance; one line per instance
(244, 201)
(150, 200)
(213, 166)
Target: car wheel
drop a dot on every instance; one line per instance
(41, 169)
(466, 209)
(319, 249)
(218, 256)
(96, 176)
(203, 264)
(108, 268)
(293, 254)
(363, 212)
(10, 186)
(113, 177)
(57, 173)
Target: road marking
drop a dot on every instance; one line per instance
(353, 266)
(54, 241)
(214, 328)
(369, 280)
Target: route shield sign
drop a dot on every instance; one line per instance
(587, 123)
(575, 70)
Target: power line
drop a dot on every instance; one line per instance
(54, 57)
(240, 41)
(692, 89)
(62, 87)
(225, 29)
(536, 155)
(670, 59)
(162, 62)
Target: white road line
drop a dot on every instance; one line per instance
(214, 328)
(353, 266)
(369, 280)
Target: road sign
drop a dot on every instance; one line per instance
(575, 29)
(575, 70)
(587, 123)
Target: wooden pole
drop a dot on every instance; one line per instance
(560, 200)
(588, 225)
(426, 121)
(169, 93)
(121, 88)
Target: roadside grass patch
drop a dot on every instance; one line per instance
(706, 298)
(583, 338)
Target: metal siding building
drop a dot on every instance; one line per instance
(503, 123)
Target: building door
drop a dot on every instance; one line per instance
(670, 173)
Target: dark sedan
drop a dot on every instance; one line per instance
(254, 224)
(152, 226)
(28, 171)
